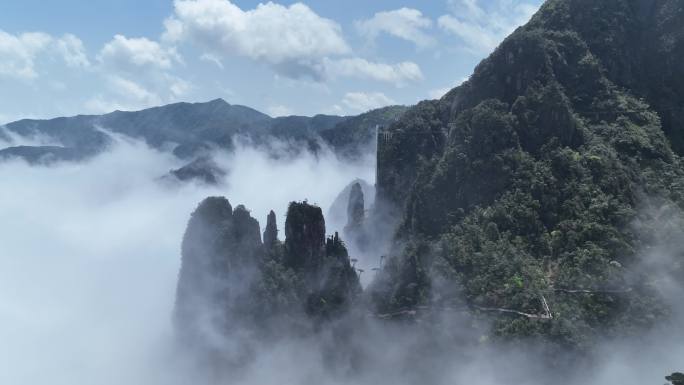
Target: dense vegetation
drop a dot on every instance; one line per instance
(533, 189)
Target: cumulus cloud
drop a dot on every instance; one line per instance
(123, 52)
(405, 23)
(127, 95)
(482, 28)
(72, 50)
(293, 39)
(398, 74)
(365, 101)
(138, 73)
(19, 53)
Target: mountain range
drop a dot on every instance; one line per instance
(190, 129)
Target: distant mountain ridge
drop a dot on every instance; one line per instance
(190, 128)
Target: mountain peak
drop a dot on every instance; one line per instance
(218, 101)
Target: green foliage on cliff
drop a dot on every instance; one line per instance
(529, 183)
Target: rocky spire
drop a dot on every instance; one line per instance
(304, 235)
(220, 254)
(229, 280)
(355, 207)
(271, 230)
(355, 231)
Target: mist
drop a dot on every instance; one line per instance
(90, 254)
(89, 261)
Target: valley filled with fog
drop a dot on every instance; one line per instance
(89, 263)
(90, 255)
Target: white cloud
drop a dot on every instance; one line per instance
(128, 53)
(405, 23)
(72, 50)
(291, 39)
(138, 73)
(482, 29)
(397, 74)
(136, 91)
(362, 101)
(439, 92)
(279, 110)
(124, 94)
(19, 53)
(177, 86)
(212, 59)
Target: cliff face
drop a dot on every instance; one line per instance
(522, 187)
(221, 252)
(356, 207)
(354, 136)
(304, 236)
(330, 282)
(640, 45)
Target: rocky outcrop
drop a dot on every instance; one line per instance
(271, 230)
(221, 253)
(356, 230)
(304, 236)
(230, 280)
(336, 215)
(203, 169)
(356, 210)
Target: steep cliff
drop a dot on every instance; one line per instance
(221, 253)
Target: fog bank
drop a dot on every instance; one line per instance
(90, 253)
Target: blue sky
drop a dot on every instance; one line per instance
(340, 57)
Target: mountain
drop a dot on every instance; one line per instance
(190, 128)
(542, 198)
(231, 281)
(203, 169)
(42, 154)
(537, 190)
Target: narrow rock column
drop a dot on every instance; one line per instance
(271, 230)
